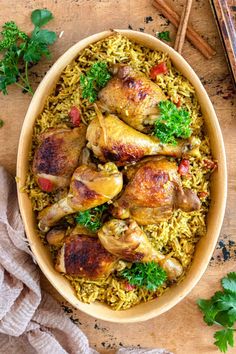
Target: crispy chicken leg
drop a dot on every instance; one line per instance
(113, 140)
(57, 157)
(126, 240)
(89, 187)
(154, 190)
(133, 97)
(84, 256)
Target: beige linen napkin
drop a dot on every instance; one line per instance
(31, 321)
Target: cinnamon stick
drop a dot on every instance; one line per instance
(181, 33)
(191, 34)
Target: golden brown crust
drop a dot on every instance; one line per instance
(86, 257)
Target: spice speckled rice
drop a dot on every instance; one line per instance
(177, 236)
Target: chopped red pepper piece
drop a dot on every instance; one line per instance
(45, 184)
(129, 287)
(75, 116)
(210, 165)
(183, 168)
(202, 195)
(157, 70)
(178, 103)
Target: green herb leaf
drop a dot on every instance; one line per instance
(173, 123)
(220, 310)
(164, 35)
(1, 123)
(41, 17)
(224, 338)
(95, 79)
(18, 50)
(92, 218)
(147, 275)
(229, 283)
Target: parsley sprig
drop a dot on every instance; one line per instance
(164, 35)
(20, 51)
(220, 310)
(145, 275)
(173, 123)
(95, 79)
(92, 218)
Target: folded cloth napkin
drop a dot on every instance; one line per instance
(31, 321)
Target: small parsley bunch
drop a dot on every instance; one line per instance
(20, 51)
(220, 310)
(173, 123)
(95, 79)
(145, 275)
(92, 218)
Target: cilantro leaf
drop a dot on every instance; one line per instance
(173, 123)
(229, 283)
(95, 79)
(41, 17)
(164, 35)
(220, 310)
(1, 123)
(147, 275)
(92, 218)
(224, 338)
(18, 50)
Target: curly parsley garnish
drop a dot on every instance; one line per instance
(164, 35)
(220, 310)
(92, 218)
(173, 123)
(21, 51)
(145, 275)
(95, 79)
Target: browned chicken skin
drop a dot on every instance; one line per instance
(126, 240)
(57, 155)
(89, 188)
(154, 190)
(112, 140)
(84, 256)
(132, 96)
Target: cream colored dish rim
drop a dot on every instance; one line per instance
(206, 245)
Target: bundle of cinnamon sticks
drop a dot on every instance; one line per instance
(184, 29)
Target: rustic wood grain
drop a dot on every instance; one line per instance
(181, 330)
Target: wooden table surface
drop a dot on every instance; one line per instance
(181, 329)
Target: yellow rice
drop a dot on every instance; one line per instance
(177, 236)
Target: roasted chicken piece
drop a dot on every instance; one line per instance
(57, 157)
(154, 190)
(89, 188)
(133, 97)
(112, 140)
(126, 240)
(84, 256)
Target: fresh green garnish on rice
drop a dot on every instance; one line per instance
(96, 78)
(164, 35)
(173, 123)
(92, 218)
(220, 310)
(145, 275)
(20, 51)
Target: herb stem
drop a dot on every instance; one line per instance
(24, 88)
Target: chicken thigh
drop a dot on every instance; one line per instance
(57, 156)
(133, 97)
(89, 188)
(126, 240)
(112, 140)
(154, 190)
(84, 256)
